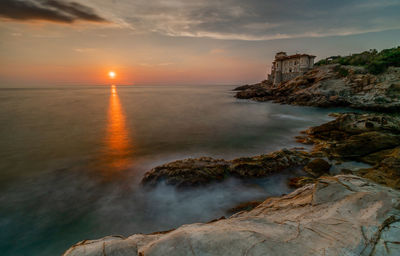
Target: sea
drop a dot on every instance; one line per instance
(72, 158)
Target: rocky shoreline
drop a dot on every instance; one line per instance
(354, 213)
(370, 138)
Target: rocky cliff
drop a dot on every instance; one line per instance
(341, 215)
(332, 86)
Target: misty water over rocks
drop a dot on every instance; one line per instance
(70, 174)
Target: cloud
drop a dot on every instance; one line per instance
(253, 19)
(47, 10)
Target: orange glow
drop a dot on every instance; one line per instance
(112, 74)
(118, 144)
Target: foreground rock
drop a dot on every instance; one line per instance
(332, 86)
(370, 138)
(342, 215)
(201, 171)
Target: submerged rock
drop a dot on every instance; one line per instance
(325, 87)
(341, 215)
(201, 171)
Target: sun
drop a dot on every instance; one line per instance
(111, 74)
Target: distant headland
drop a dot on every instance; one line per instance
(368, 80)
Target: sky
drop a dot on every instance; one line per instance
(178, 42)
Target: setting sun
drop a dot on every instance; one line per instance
(111, 74)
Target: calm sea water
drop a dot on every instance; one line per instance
(72, 158)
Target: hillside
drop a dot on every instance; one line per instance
(373, 61)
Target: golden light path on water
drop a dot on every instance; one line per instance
(117, 141)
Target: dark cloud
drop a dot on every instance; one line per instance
(49, 10)
(257, 19)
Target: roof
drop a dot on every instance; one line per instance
(295, 56)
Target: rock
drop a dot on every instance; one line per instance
(253, 91)
(387, 169)
(341, 215)
(201, 171)
(264, 165)
(365, 143)
(317, 167)
(188, 172)
(251, 86)
(352, 135)
(243, 87)
(299, 182)
(323, 87)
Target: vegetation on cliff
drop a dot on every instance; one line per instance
(375, 62)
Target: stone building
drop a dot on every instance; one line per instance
(287, 67)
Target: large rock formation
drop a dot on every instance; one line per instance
(332, 86)
(341, 215)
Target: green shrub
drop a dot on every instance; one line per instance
(376, 67)
(342, 72)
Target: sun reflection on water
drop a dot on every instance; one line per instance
(118, 143)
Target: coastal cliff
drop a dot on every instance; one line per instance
(332, 86)
(341, 215)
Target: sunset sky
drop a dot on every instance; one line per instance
(146, 42)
